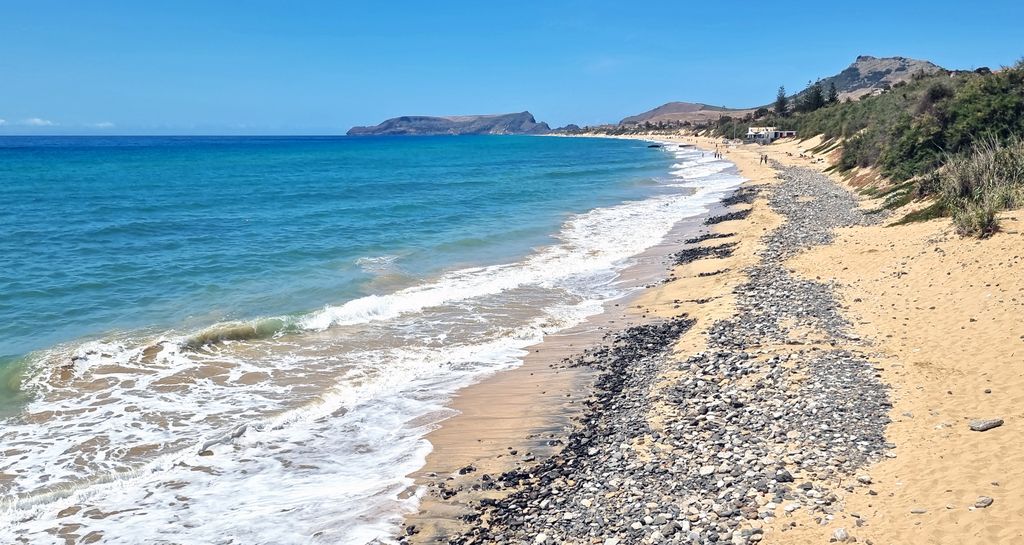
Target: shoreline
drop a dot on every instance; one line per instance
(646, 392)
(840, 336)
(515, 417)
(366, 435)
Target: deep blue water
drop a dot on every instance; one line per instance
(121, 233)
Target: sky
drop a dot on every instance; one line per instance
(319, 67)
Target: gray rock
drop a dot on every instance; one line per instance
(733, 414)
(840, 535)
(518, 123)
(986, 424)
(983, 502)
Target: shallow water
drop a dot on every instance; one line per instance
(244, 340)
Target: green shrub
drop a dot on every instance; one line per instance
(935, 210)
(913, 129)
(928, 185)
(976, 185)
(935, 93)
(987, 106)
(975, 219)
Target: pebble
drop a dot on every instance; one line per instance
(986, 424)
(738, 423)
(983, 502)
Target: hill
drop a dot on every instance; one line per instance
(694, 112)
(956, 138)
(864, 76)
(867, 74)
(517, 123)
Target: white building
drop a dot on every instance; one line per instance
(765, 135)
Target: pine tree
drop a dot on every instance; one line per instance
(812, 99)
(833, 94)
(781, 103)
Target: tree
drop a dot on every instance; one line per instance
(833, 94)
(812, 99)
(761, 112)
(781, 103)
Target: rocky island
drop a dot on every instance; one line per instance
(516, 123)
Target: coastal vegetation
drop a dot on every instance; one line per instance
(947, 140)
(975, 186)
(781, 104)
(953, 137)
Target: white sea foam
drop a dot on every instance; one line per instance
(599, 240)
(377, 264)
(305, 437)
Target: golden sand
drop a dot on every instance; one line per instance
(945, 314)
(519, 410)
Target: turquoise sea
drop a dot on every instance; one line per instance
(264, 322)
(120, 233)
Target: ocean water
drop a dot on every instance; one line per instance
(245, 340)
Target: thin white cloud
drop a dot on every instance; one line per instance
(3, 122)
(103, 125)
(38, 122)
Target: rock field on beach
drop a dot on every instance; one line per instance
(780, 410)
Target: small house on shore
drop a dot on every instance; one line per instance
(766, 135)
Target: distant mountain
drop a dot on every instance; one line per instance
(683, 111)
(520, 123)
(867, 74)
(864, 76)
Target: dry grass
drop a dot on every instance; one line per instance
(976, 186)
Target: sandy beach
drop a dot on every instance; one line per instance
(514, 418)
(942, 312)
(893, 340)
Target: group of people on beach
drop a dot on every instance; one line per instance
(764, 158)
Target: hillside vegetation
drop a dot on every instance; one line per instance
(863, 76)
(954, 137)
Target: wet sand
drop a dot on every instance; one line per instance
(943, 313)
(516, 416)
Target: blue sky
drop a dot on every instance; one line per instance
(273, 67)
